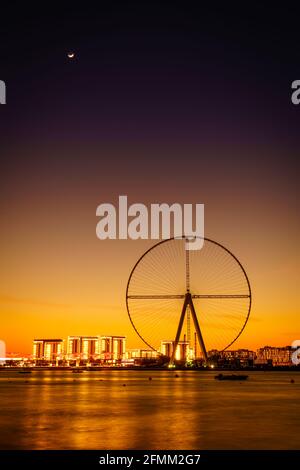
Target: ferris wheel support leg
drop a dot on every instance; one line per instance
(198, 331)
(179, 329)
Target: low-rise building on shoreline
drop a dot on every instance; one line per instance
(110, 350)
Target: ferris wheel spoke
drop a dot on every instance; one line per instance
(158, 297)
(194, 296)
(187, 268)
(221, 296)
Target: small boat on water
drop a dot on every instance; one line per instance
(231, 377)
(25, 371)
(77, 371)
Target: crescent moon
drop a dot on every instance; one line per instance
(71, 55)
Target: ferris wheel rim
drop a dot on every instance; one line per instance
(181, 238)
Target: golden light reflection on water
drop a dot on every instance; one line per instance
(126, 410)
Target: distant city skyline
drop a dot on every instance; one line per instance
(87, 346)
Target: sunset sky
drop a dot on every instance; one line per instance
(161, 105)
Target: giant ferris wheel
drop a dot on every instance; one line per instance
(203, 296)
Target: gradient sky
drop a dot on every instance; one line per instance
(164, 104)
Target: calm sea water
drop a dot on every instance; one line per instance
(94, 410)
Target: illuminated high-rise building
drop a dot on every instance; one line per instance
(112, 348)
(83, 347)
(182, 352)
(277, 356)
(49, 350)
